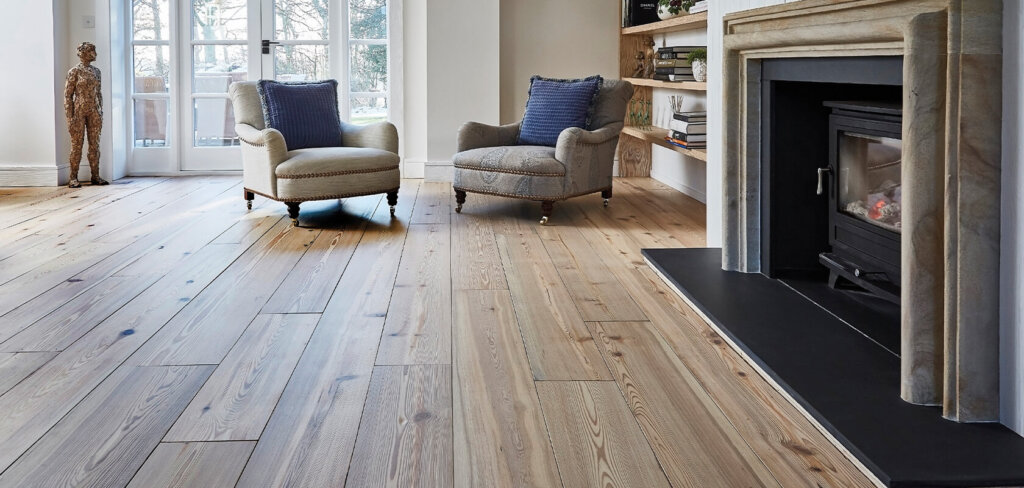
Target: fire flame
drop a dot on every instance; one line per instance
(875, 212)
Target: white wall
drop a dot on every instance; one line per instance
(28, 125)
(1012, 245)
(462, 74)
(562, 39)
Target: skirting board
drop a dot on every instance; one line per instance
(679, 186)
(438, 171)
(34, 175)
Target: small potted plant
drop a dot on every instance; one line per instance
(698, 59)
(673, 8)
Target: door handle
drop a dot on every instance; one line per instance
(266, 45)
(821, 174)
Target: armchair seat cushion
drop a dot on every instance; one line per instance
(333, 161)
(519, 160)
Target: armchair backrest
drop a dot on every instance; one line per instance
(611, 103)
(245, 101)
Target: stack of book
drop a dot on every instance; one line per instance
(689, 130)
(672, 62)
(701, 6)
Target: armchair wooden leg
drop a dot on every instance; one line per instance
(249, 196)
(392, 201)
(293, 212)
(606, 195)
(545, 210)
(460, 198)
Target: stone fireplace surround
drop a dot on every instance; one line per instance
(951, 171)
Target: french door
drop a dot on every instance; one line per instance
(186, 53)
(239, 40)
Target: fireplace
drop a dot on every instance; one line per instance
(950, 94)
(864, 186)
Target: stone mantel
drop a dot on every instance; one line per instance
(952, 99)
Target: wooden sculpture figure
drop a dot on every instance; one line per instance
(651, 57)
(83, 105)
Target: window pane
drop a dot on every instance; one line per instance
(214, 122)
(367, 110)
(223, 20)
(151, 123)
(300, 19)
(150, 20)
(217, 66)
(369, 68)
(151, 68)
(301, 63)
(368, 18)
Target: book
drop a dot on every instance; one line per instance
(680, 49)
(691, 116)
(671, 63)
(688, 127)
(660, 77)
(684, 144)
(689, 138)
(673, 71)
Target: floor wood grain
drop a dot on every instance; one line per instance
(193, 465)
(236, 402)
(428, 348)
(109, 435)
(407, 439)
(500, 439)
(597, 441)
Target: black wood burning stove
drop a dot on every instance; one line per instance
(864, 186)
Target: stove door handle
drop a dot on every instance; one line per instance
(821, 184)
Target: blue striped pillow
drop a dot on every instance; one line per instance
(306, 113)
(556, 105)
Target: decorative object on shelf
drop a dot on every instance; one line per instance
(672, 63)
(701, 6)
(668, 9)
(649, 57)
(640, 113)
(640, 12)
(641, 63)
(83, 106)
(698, 59)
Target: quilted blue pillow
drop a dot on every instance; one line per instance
(556, 105)
(306, 113)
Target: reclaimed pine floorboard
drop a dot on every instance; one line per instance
(521, 356)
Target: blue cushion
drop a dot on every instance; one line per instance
(556, 105)
(306, 113)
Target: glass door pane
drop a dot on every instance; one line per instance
(367, 61)
(301, 34)
(870, 181)
(222, 35)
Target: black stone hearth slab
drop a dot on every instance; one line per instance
(846, 381)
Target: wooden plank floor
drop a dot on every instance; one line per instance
(156, 333)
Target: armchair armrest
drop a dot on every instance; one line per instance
(574, 138)
(270, 140)
(474, 135)
(382, 135)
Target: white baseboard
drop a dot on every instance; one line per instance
(438, 171)
(413, 169)
(34, 175)
(680, 186)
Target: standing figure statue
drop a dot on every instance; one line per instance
(83, 105)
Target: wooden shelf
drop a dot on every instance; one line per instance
(672, 85)
(675, 24)
(656, 135)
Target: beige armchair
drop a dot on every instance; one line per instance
(489, 161)
(366, 164)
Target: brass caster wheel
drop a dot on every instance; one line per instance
(295, 222)
(392, 210)
(458, 208)
(248, 204)
(543, 221)
(605, 202)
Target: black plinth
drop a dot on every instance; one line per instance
(848, 382)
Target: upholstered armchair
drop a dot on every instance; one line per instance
(489, 161)
(366, 164)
